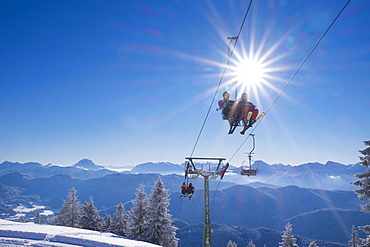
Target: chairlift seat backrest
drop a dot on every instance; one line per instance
(249, 172)
(196, 171)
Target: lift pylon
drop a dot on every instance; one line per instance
(195, 172)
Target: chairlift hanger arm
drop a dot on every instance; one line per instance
(228, 47)
(254, 143)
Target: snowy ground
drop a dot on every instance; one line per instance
(30, 234)
(29, 211)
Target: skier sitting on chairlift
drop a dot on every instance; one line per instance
(190, 191)
(242, 112)
(226, 105)
(184, 189)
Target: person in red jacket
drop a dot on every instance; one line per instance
(190, 191)
(244, 108)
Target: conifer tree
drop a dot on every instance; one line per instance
(38, 218)
(288, 238)
(313, 244)
(364, 183)
(118, 223)
(21, 219)
(355, 238)
(105, 224)
(69, 213)
(251, 244)
(160, 229)
(137, 224)
(90, 218)
(231, 244)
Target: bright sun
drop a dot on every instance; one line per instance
(249, 72)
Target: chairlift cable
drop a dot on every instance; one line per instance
(286, 85)
(230, 53)
(219, 83)
(294, 74)
(222, 76)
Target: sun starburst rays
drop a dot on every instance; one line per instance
(254, 65)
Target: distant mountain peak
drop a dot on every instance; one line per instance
(87, 164)
(159, 167)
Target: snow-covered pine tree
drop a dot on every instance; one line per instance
(251, 244)
(118, 224)
(231, 244)
(90, 218)
(288, 238)
(38, 218)
(313, 244)
(21, 219)
(69, 213)
(355, 238)
(160, 229)
(105, 223)
(364, 183)
(137, 224)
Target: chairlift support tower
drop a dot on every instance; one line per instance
(207, 239)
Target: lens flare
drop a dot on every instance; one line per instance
(249, 72)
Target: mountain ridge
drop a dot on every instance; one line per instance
(328, 176)
(231, 205)
(88, 164)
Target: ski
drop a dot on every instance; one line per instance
(223, 170)
(236, 123)
(248, 126)
(232, 129)
(249, 115)
(260, 116)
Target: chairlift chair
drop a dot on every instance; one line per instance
(249, 171)
(191, 171)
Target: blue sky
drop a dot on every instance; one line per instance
(127, 82)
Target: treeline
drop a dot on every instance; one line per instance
(288, 239)
(148, 220)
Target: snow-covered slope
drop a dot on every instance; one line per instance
(20, 234)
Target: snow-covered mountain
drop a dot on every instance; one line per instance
(160, 167)
(231, 205)
(84, 169)
(30, 234)
(328, 176)
(88, 164)
(260, 206)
